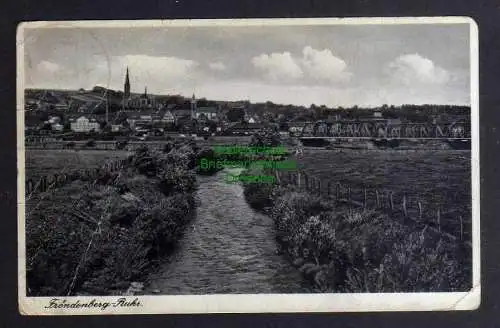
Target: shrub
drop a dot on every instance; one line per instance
(120, 145)
(355, 250)
(412, 267)
(67, 251)
(149, 162)
(259, 196)
(267, 137)
(177, 180)
(168, 147)
(206, 152)
(90, 143)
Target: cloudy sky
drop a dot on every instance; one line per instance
(345, 65)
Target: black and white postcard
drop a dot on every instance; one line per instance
(253, 165)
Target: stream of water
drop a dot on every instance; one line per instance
(228, 248)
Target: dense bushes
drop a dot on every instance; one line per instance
(259, 195)
(346, 249)
(120, 145)
(343, 249)
(90, 143)
(268, 137)
(354, 250)
(97, 236)
(209, 155)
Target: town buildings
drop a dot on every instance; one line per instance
(84, 124)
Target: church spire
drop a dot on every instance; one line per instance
(193, 107)
(126, 87)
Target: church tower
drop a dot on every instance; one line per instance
(126, 87)
(193, 107)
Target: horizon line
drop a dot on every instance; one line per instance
(258, 102)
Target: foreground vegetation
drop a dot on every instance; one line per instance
(341, 248)
(97, 236)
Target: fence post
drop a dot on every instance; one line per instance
(420, 210)
(29, 186)
(461, 227)
(404, 206)
(349, 194)
(43, 184)
(391, 201)
(298, 179)
(365, 198)
(319, 187)
(439, 220)
(337, 192)
(328, 187)
(378, 198)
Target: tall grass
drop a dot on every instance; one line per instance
(97, 236)
(344, 249)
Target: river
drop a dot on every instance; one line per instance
(228, 248)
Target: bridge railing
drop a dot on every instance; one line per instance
(386, 130)
(407, 207)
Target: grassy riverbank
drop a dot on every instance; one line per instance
(95, 237)
(340, 248)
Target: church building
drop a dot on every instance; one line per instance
(135, 102)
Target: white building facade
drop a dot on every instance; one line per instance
(83, 124)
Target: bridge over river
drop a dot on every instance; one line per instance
(385, 129)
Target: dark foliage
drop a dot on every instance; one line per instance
(341, 249)
(90, 143)
(120, 145)
(97, 236)
(268, 137)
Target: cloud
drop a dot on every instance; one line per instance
(323, 65)
(159, 67)
(48, 67)
(158, 73)
(217, 66)
(316, 65)
(413, 68)
(278, 66)
(48, 74)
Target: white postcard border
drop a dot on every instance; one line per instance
(253, 303)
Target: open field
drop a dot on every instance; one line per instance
(43, 162)
(438, 179)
